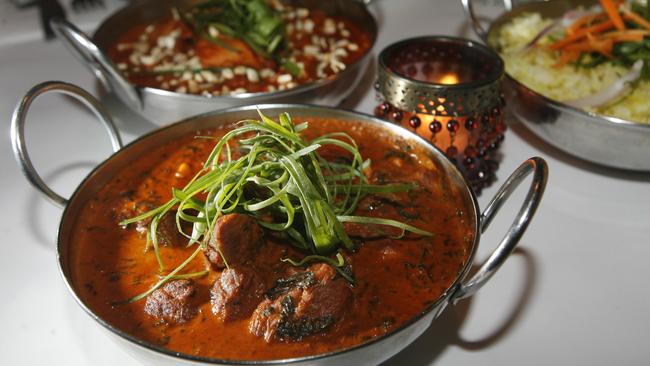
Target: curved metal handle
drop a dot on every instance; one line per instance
(476, 23)
(538, 167)
(87, 52)
(18, 130)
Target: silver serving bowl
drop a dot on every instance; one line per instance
(372, 352)
(604, 140)
(163, 106)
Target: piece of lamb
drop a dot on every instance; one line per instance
(236, 293)
(167, 230)
(314, 301)
(236, 238)
(172, 303)
(168, 233)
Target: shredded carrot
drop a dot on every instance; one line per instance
(582, 33)
(635, 35)
(603, 46)
(583, 21)
(634, 17)
(566, 56)
(611, 8)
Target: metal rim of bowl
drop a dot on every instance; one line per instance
(341, 113)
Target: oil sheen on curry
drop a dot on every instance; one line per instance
(273, 239)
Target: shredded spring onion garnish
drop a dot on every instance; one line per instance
(279, 179)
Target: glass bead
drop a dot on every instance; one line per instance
(470, 124)
(435, 126)
(414, 121)
(452, 125)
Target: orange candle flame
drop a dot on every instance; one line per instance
(449, 79)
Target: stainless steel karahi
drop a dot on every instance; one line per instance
(163, 106)
(608, 141)
(372, 352)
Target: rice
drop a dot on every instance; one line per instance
(534, 68)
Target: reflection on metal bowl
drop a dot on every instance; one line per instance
(162, 106)
(607, 141)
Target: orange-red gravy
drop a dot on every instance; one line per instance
(395, 279)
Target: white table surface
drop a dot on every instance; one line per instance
(576, 292)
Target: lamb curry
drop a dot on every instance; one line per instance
(212, 244)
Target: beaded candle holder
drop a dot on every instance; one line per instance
(447, 90)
